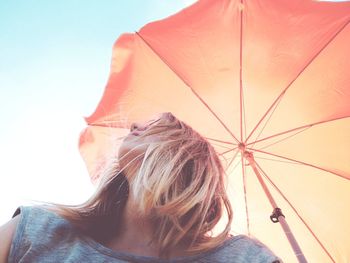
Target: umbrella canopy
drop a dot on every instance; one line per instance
(265, 78)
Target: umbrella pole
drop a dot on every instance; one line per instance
(277, 215)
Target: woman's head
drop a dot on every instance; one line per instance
(175, 178)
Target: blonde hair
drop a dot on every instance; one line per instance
(177, 182)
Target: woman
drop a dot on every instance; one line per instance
(158, 202)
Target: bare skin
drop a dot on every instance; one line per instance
(136, 235)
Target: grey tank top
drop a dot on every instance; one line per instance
(44, 236)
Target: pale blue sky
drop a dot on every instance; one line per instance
(44, 43)
(54, 63)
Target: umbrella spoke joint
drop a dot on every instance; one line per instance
(276, 214)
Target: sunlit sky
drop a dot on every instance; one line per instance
(54, 63)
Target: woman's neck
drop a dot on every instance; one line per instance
(136, 234)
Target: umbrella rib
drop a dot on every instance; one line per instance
(274, 160)
(188, 85)
(300, 162)
(296, 77)
(222, 141)
(220, 146)
(241, 71)
(256, 139)
(303, 128)
(231, 161)
(296, 212)
(284, 139)
(233, 158)
(227, 151)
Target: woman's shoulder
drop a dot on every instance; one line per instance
(40, 219)
(241, 249)
(37, 226)
(7, 232)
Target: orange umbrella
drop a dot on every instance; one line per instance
(268, 83)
